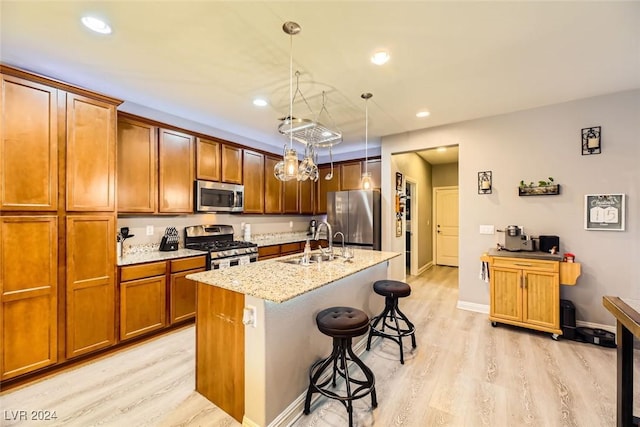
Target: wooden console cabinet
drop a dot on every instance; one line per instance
(526, 292)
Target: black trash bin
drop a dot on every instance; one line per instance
(568, 319)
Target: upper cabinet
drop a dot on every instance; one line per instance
(273, 187)
(28, 145)
(175, 171)
(305, 197)
(374, 167)
(137, 163)
(253, 182)
(231, 164)
(351, 176)
(290, 200)
(324, 186)
(91, 154)
(208, 161)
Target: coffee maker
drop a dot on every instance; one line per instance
(515, 239)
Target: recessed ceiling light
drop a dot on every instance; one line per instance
(442, 149)
(259, 102)
(96, 24)
(380, 58)
(423, 114)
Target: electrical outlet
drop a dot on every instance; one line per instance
(290, 224)
(149, 230)
(486, 229)
(249, 316)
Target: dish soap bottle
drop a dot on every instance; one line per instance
(306, 257)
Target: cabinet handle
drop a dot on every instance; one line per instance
(522, 265)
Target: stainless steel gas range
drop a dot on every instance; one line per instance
(222, 250)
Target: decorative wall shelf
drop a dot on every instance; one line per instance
(548, 190)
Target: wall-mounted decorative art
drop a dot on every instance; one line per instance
(604, 212)
(485, 182)
(399, 188)
(591, 140)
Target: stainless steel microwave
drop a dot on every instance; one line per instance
(218, 197)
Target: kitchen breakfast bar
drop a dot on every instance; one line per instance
(256, 336)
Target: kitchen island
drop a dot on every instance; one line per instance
(258, 373)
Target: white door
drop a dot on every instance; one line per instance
(446, 216)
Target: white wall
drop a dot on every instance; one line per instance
(533, 145)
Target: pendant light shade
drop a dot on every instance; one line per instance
(290, 165)
(366, 176)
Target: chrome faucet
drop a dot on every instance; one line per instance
(329, 238)
(340, 233)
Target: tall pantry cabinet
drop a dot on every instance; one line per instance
(57, 221)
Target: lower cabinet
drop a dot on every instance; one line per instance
(526, 292)
(28, 294)
(143, 296)
(183, 290)
(90, 293)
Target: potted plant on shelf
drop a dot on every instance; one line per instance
(548, 187)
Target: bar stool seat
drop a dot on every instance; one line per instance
(342, 324)
(392, 323)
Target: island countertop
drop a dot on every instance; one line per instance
(276, 281)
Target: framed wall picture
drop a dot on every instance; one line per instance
(604, 212)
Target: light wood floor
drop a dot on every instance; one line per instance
(463, 373)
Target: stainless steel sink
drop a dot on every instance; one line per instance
(314, 259)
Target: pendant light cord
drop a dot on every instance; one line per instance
(291, 91)
(366, 136)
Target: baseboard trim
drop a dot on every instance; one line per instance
(609, 328)
(472, 306)
(425, 268)
(295, 410)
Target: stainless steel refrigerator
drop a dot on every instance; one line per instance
(356, 214)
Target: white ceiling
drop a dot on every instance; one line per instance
(207, 60)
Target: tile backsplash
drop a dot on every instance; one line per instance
(260, 225)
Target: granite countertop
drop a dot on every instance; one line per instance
(279, 238)
(156, 255)
(525, 254)
(278, 282)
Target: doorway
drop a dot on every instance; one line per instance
(445, 218)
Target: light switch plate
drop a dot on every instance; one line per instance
(486, 229)
(149, 230)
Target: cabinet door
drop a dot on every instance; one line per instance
(290, 204)
(253, 182)
(231, 164)
(506, 294)
(208, 159)
(28, 146)
(28, 294)
(137, 162)
(351, 176)
(176, 171)
(183, 296)
(324, 186)
(305, 197)
(268, 252)
(374, 167)
(273, 194)
(90, 283)
(541, 297)
(91, 154)
(142, 306)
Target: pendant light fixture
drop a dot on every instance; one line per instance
(366, 176)
(290, 158)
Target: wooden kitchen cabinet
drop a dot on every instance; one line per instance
(525, 292)
(306, 197)
(374, 167)
(28, 148)
(175, 171)
(273, 187)
(253, 182)
(232, 163)
(324, 186)
(143, 294)
(208, 159)
(351, 176)
(90, 293)
(28, 294)
(290, 196)
(182, 290)
(91, 154)
(137, 163)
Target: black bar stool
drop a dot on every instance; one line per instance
(342, 324)
(391, 317)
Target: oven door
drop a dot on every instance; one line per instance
(218, 197)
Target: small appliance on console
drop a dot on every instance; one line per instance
(515, 239)
(222, 250)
